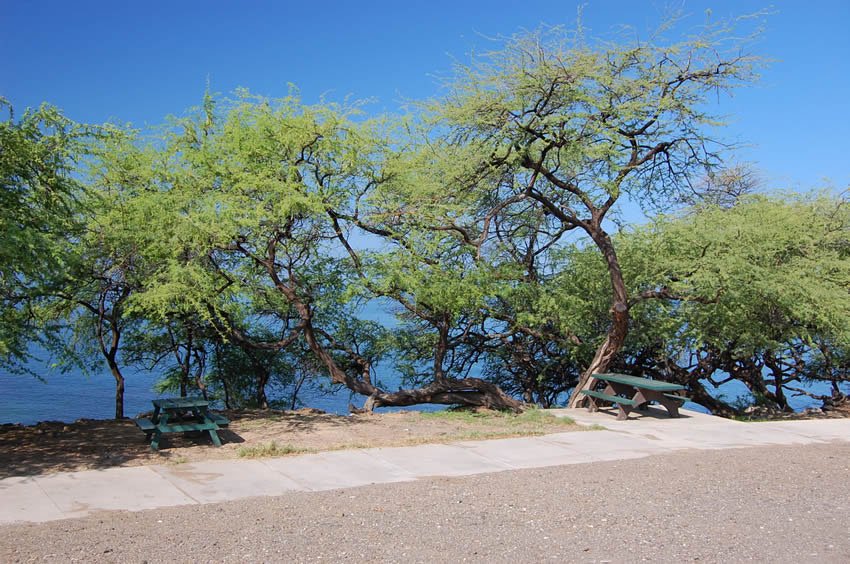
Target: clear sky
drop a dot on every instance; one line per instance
(140, 61)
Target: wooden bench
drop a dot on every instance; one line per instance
(624, 405)
(608, 397)
(145, 425)
(676, 397)
(219, 419)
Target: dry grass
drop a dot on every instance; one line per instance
(269, 450)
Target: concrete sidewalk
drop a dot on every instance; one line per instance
(75, 494)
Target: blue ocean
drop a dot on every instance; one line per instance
(55, 396)
(71, 396)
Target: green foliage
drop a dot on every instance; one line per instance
(589, 121)
(759, 291)
(236, 246)
(764, 272)
(246, 378)
(39, 206)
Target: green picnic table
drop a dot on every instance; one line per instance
(633, 392)
(180, 415)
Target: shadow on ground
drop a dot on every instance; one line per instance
(87, 444)
(652, 412)
(94, 444)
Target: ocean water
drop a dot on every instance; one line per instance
(68, 397)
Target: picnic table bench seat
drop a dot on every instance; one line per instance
(219, 419)
(677, 397)
(145, 424)
(609, 397)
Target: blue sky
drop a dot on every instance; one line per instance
(139, 61)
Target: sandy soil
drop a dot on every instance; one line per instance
(766, 504)
(89, 444)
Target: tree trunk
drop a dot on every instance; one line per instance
(717, 407)
(441, 348)
(337, 374)
(619, 328)
(445, 391)
(262, 381)
(778, 396)
(293, 399)
(226, 389)
(119, 388)
(472, 392)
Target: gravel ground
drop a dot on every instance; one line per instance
(768, 504)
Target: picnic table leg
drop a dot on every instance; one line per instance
(672, 406)
(624, 411)
(214, 436)
(155, 442)
(157, 434)
(204, 415)
(622, 414)
(616, 389)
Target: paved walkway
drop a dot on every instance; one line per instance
(75, 494)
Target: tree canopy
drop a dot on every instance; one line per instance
(236, 247)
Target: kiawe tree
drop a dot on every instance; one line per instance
(767, 285)
(575, 128)
(90, 295)
(68, 265)
(39, 207)
(260, 222)
(757, 293)
(249, 234)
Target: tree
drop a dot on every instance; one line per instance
(758, 292)
(574, 128)
(245, 376)
(39, 203)
(89, 294)
(768, 282)
(258, 222)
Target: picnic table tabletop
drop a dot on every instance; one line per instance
(638, 382)
(180, 403)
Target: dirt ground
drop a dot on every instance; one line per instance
(89, 444)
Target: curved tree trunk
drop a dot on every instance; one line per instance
(446, 391)
(110, 353)
(468, 391)
(262, 381)
(717, 407)
(472, 392)
(619, 328)
(119, 387)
